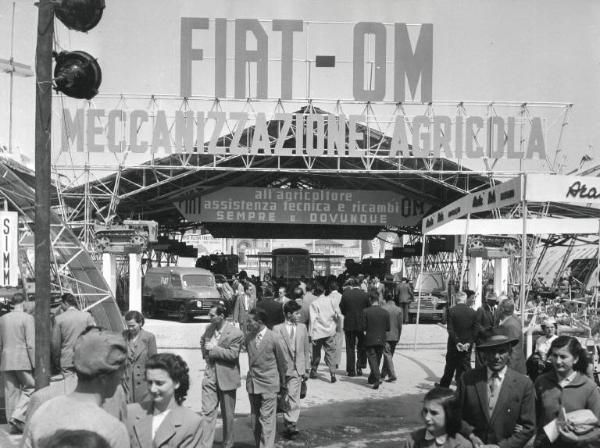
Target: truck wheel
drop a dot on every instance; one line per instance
(182, 314)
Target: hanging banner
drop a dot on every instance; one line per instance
(500, 195)
(556, 188)
(9, 248)
(295, 206)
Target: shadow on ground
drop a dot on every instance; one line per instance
(369, 423)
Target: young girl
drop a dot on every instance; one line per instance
(442, 422)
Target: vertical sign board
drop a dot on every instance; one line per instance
(9, 248)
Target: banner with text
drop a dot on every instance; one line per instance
(557, 188)
(9, 248)
(500, 195)
(294, 206)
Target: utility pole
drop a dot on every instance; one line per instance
(43, 147)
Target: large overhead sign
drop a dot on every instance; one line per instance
(571, 189)
(295, 206)
(9, 248)
(248, 87)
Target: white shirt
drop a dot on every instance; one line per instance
(542, 345)
(157, 420)
(289, 327)
(567, 380)
(260, 335)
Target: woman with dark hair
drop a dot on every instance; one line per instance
(141, 345)
(164, 422)
(441, 416)
(566, 386)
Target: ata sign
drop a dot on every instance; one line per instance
(9, 248)
(294, 206)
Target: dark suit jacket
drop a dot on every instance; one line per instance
(266, 364)
(515, 405)
(274, 312)
(181, 428)
(514, 329)
(354, 301)
(225, 356)
(485, 318)
(395, 321)
(134, 379)
(461, 325)
(377, 324)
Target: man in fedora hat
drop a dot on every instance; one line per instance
(497, 402)
(484, 322)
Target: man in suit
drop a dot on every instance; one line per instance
(273, 309)
(296, 349)
(497, 403)
(391, 337)
(461, 334)
(220, 345)
(405, 295)
(243, 304)
(68, 326)
(484, 322)
(354, 301)
(377, 324)
(266, 377)
(17, 360)
(514, 329)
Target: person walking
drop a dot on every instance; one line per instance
(99, 362)
(243, 304)
(323, 325)
(485, 318)
(141, 345)
(495, 399)
(307, 299)
(17, 361)
(164, 422)
(405, 295)
(377, 324)
(68, 325)
(267, 368)
(354, 301)
(220, 344)
(296, 349)
(461, 334)
(391, 337)
(514, 329)
(336, 298)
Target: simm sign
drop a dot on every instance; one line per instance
(9, 244)
(295, 206)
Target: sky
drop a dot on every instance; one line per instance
(536, 51)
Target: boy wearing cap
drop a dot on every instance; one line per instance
(495, 399)
(99, 361)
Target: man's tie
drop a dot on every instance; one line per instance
(494, 391)
(258, 338)
(293, 334)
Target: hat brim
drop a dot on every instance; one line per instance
(497, 343)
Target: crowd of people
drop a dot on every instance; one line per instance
(496, 404)
(115, 390)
